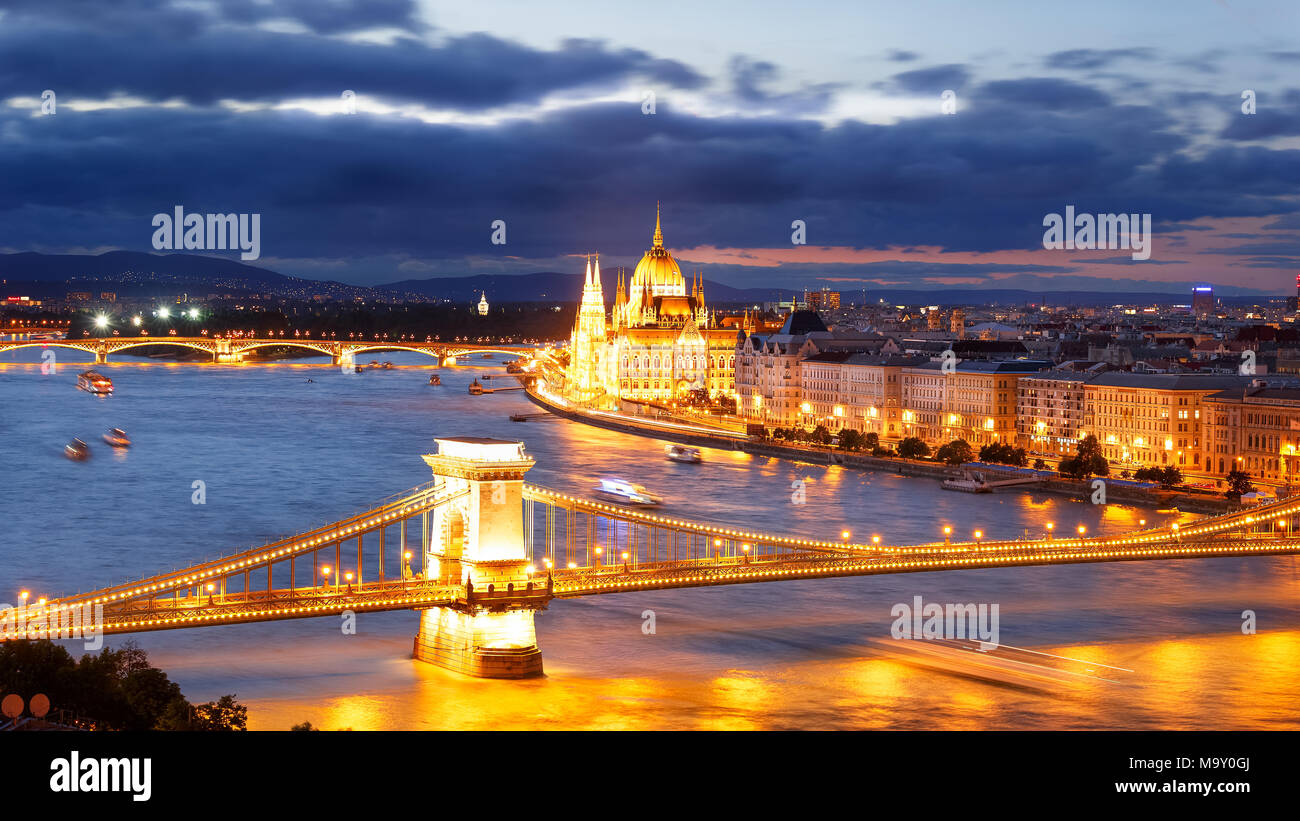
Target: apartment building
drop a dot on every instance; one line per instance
(975, 400)
(1152, 419)
(1050, 415)
(1255, 428)
(768, 375)
(846, 389)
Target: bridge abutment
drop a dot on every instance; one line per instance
(477, 541)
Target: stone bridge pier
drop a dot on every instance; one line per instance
(477, 540)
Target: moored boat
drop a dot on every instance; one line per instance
(435, 380)
(475, 388)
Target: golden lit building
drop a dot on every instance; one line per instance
(975, 400)
(660, 341)
(1151, 419)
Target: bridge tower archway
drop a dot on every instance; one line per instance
(477, 540)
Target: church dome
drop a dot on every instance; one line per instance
(658, 269)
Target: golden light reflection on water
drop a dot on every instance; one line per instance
(1204, 682)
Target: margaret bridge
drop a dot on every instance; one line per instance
(234, 349)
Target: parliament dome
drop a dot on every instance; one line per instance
(658, 269)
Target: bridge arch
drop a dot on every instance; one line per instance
(323, 349)
(47, 343)
(114, 346)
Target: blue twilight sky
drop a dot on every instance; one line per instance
(764, 113)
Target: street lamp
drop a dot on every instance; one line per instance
(1050, 526)
(1082, 530)
(325, 574)
(947, 534)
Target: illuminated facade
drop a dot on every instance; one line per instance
(659, 343)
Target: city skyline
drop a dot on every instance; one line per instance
(542, 122)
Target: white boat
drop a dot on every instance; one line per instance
(623, 492)
(681, 453)
(94, 382)
(117, 438)
(968, 483)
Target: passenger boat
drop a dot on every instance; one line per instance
(623, 492)
(968, 483)
(94, 382)
(681, 453)
(435, 380)
(475, 388)
(117, 438)
(386, 365)
(77, 450)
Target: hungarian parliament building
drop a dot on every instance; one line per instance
(658, 343)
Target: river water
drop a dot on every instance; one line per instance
(278, 454)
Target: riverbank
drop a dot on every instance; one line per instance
(701, 437)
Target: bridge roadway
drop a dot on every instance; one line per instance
(189, 597)
(233, 349)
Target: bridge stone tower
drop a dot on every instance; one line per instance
(477, 540)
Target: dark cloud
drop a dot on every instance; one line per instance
(1045, 93)
(748, 78)
(1090, 58)
(475, 71)
(902, 56)
(184, 19)
(933, 80)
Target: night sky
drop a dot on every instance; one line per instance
(765, 113)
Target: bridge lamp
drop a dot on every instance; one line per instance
(24, 595)
(193, 313)
(745, 547)
(875, 540)
(1082, 530)
(137, 320)
(211, 586)
(348, 575)
(844, 534)
(163, 313)
(530, 570)
(548, 564)
(573, 566)
(979, 534)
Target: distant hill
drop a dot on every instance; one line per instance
(32, 267)
(135, 273)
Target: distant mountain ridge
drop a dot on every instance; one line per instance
(49, 272)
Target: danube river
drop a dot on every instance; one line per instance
(278, 453)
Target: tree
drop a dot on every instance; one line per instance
(304, 727)
(1088, 461)
(223, 715)
(913, 448)
(1039, 464)
(955, 452)
(821, 435)
(1239, 484)
(871, 441)
(1171, 477)
(851, 439)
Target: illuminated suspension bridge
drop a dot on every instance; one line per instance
(234, 349)
(478, 552)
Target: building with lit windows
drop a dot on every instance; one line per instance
(975, 400)
(1255, 428)
(1050, 417)
(1151, 419)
